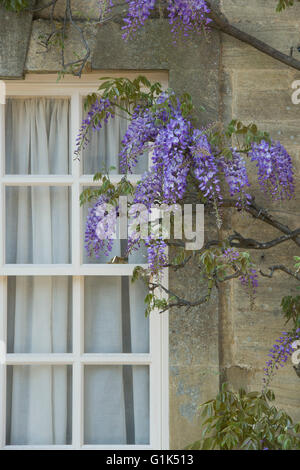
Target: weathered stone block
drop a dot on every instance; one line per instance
(192, 64)
(40, 59)
(15, 32)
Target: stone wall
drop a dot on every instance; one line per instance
(231, 80)
(258, 88)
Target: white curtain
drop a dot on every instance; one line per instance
(37, 142)
(39, 403)
(104, 147)
(112, 415)
(37, 136)
(37, 231)
(116, 400)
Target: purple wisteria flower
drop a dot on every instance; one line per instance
(236, 176)
(250, 281)
(138, 12)
(183, 158)
(99, 112)
(230, 255)
(149, 189)
(171, 157)
(140, 132)
(188, 16)
(205, 167)
(100, 230)
(157, 254)
(279, 354)
(185, 16)
(275, 169)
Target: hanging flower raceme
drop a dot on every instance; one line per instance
(138, 12)
(279, 354)
(100, 230)
(188, 16)
(250, 281)
(185, 16)
(100, 111)
(275, 169)
(157, 254)
(141, 131)
(205, 166)
(236, 176)
(150, 189)
(171, 157)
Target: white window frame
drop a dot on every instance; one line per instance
(157, 359)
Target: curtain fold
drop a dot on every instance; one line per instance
(104, 405)
(37, 136)
(104, 147)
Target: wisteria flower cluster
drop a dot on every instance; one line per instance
(100, 111)
(185, 16)
(275, 171)
(157, 254)
(250, 280)
(236, 176)
(185, 159)
(141, 131)
(205, 166)
(279, 354)
(138, 12)
(100, 230)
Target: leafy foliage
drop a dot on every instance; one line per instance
(14, 5)
(283, 4)
(246, 421)
(291, 309)
(291, 304)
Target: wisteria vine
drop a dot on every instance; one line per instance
(185, 159)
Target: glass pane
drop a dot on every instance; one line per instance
(116, 405)
(102, 151)
(39, 314)
(38, 225)
(119, 247)
(37, 136)
(115, 319)
(39, 405)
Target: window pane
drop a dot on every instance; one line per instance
(102, 151)
(39, 402)
(39, 314)
(38, 221)
(116, 405)
(115, 319)
(37, 136)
